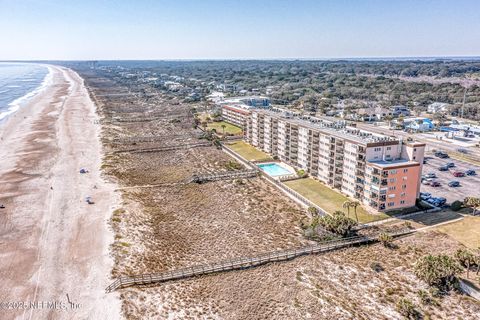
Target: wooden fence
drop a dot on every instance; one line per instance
(243, 263)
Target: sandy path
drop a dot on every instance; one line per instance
(51, 242)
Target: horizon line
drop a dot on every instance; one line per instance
(366, 58)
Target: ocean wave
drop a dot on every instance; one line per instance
(15, 104)
(13, 86)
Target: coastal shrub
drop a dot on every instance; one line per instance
(233, 165)
(407, 309)
(456, 205)
(301, 173)
(385, 239)
(313, 211)
(337, 223)
(438, 270)
(426, 298)
(377, 267)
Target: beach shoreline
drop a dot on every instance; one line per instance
(23, 100)
(54, 247)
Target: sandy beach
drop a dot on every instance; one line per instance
(54, 247)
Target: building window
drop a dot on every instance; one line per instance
(393, 171)
(391, 188)
(404, 186)
(404, 178)
(414, 158)
(389, 148)
(391, 204)
(402, 194)
(414, 149)
(393, 180)
(405, 170)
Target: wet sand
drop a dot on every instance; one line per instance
(53, 245)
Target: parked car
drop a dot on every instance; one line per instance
(425, 195)
(462, 150)
(450, 165)
(443, 168)
(458, 174)
(442, 200)
(426, 182)
(435, 184)
(441, 155)
(470, 172)
(454, 184)
(424, 161)
(431, 175)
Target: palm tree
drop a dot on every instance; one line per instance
(223, 127)
(354, 205)
(472, 202)
(347, 205)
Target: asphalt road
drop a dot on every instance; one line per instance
(469, 185)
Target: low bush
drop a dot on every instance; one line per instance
(456, 205)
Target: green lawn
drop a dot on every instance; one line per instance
(466, 231)
(248, 151)
(229, 128)
(329, 199)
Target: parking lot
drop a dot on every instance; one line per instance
(469, 185)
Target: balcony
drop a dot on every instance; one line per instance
(384, 182)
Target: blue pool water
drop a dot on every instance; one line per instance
(273, 169)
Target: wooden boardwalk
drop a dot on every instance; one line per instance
(139, 139)
(241, 174)
(152, 118)
(166, 148)
(243, 263)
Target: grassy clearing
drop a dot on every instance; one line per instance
(229, 128)
(461, 157)
(329, 199)
(248, 151)
(466, 231)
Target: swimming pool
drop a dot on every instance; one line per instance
(274, 170)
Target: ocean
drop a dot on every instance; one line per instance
(18, 83)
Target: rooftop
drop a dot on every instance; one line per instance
(393, 163)
(336, 128)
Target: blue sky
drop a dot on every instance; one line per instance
(230, 29)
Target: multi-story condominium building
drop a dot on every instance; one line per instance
(381, 171)
(236, 110)
(236, 114)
